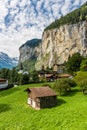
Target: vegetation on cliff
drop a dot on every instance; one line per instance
(74, 17)
(29, 52)
(32, 43)
(29, 64)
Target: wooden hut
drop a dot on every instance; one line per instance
(41, 97)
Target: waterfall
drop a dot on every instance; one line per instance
(51, 50)
(83, 35)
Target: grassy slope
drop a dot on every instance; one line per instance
(69, 114)
(80, 76)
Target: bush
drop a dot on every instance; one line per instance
(83, 85)
(62, 86)
(71, 82)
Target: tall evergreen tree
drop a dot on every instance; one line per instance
(73, 63)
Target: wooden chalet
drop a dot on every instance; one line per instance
(41, 97)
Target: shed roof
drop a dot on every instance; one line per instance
(49, 75)
(64, 75)
(2, 79)
(42, 92)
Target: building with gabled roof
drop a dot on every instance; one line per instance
(41, 97)
(3, 83)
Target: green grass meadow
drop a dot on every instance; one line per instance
(15, 114)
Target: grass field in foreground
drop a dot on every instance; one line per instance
(69, 114)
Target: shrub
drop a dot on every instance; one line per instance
(62, 86)
(71, 82)
(83, 86)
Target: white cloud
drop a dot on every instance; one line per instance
(22, 20)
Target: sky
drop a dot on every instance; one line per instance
(22, 20)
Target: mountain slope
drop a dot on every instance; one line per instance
(7, 62)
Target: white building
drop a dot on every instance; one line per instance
(3, 83)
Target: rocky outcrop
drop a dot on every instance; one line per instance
(59, 43)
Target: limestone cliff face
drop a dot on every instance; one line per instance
(58, 44)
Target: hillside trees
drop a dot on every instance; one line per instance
(73, 63)
(72, 18)
(24, 79)
(13, 76)
(34, 76)
(5, 73)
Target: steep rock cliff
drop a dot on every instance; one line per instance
(30, 52)
(59, 43)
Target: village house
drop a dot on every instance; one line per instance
(3, 83)
(41, 75)
(50, 77)
(58, 68)
(41, 97)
